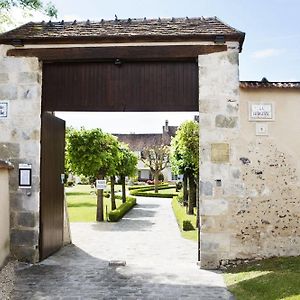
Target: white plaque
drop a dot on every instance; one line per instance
(25, 176)
(3, 109)
(261, 112)
(262, 129)
(100, 184)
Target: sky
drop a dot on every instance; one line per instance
(271, 47)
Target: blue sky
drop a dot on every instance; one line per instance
(272, 42)
(271, 48)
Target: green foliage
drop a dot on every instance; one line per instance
(133, 189)
(127, 161)
(180, 214)
(164, 191)
(274, 278)
(146, 186)
(187, 225)
(184, 154)
(49, 9)
(117, 214)
(91, 152)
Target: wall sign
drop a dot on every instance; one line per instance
(25, 176)
(3, 109)
(261, 112)
(261, 129)
(100, 184)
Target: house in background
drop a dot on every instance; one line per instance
(138, 142)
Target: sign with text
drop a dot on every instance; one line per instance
(25, 176)
(261, 112)
(100, 184)
(3, 109)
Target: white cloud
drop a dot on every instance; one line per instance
(266, 53)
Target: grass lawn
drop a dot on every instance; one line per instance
(180, 213)
(270, 279)
(82, 203)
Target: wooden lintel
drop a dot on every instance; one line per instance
(175, 52)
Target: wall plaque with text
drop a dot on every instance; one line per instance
(261, 112)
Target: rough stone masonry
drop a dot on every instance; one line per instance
(20, 87)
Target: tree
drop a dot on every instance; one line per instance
(26, 5)
(126, 167)
(93, 153)
(185, 157)
(157, 159)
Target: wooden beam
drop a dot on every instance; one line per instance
(176, 52)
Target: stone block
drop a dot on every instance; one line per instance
(220, 152)
(209, 261)
(22, 237)
(206, 188)
(25, 254)
(214, 207)
(226, 121)
(215, 242)
(29, 92)
(8, 92)
(27, 219)
(8, 151)
(28, 77)
(4, 77)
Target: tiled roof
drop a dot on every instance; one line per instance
(120, 30)
(264, 83)
(138, 142)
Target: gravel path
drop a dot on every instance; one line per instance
(7, 279)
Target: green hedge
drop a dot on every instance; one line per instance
(152, 194)
(136, 192)
(117, 214)
(146, 187)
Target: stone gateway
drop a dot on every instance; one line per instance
(249, 196)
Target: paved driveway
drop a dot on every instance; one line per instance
(159, 263)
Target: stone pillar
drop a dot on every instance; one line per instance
(4, 211)
(20, 87)
(219, 167)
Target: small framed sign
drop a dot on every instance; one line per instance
(25, 176)
(100, 184)
(3, 109)
(261, 112)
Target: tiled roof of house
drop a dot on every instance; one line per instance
(124, 30)
(264, 83)
(138, 142)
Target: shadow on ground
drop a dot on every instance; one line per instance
(73, 273)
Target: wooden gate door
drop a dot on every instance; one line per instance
(52, 188)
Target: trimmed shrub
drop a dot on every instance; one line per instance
(135, 192)
(187, 225)
(152, 194)
(146, 187)
(117, 214)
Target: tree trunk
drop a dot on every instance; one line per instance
(192, 193)
(99, 216)
(197, 205)
(112, 193)
(123, 189)
(185, 189)
(156, 182)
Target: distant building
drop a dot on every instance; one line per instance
(138, 142)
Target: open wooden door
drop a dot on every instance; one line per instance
(52, 188)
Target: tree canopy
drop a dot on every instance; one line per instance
(156, 157)
(185, 149)
(185, 159)
(49, 9)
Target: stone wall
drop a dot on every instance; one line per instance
(267, 218)
(4, 211)
(220, 175)
(20, 85)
